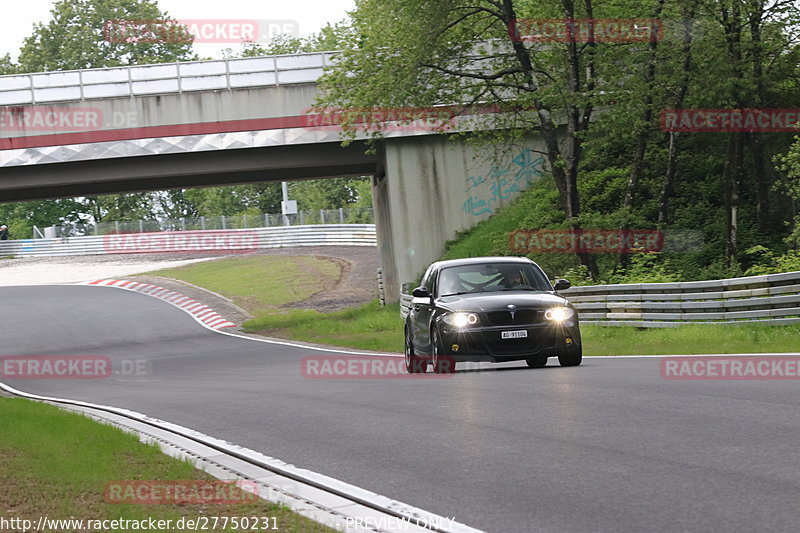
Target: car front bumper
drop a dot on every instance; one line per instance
(487, 343)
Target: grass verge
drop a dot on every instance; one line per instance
(690, 339)
(261, 282)
(367, 327)
(372, 327)
(56, 464)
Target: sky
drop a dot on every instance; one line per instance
(309, 16)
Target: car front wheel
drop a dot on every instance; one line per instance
(572, 357)
(537, 361)
(442, 364)
(414, 363)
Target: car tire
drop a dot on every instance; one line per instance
(572, 357)
(414, 363)
(442, 364)
(537, 361)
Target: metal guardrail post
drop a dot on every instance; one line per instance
(381, 291)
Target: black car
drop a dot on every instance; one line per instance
(489, 309)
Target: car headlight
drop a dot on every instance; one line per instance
(461, 320)
(559, 314)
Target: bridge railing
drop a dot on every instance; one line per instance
(162, 78)
(770, 299)
(254, 238)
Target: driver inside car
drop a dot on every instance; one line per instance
(451, 285)
(513, 280)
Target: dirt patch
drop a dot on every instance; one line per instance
(357, 285)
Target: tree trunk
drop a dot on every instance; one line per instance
(669, 178)
(642, 135)
(760, 174)
(688, 12)
(732, 178)
(564, 163)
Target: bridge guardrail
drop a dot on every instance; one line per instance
(770, 299)
(272, 237)
(178, 77)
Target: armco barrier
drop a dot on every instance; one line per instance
(771, 299)
(272, 237)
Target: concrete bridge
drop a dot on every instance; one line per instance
(205, 123)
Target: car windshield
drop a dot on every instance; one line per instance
(492, 277)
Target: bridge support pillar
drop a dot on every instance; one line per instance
(432, 188)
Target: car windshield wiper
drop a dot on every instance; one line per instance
(458, 293)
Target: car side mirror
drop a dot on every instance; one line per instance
(421, 292)
(562, 284)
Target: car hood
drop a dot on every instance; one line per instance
(484, 302)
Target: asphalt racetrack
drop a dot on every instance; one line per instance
(607, 446)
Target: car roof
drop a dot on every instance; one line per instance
(481, 260)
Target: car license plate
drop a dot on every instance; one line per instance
(518, 334)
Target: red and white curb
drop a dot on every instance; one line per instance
(202, 313)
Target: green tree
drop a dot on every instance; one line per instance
(330, 193)
(413, 53)
(7, 66)
(21, 217)
(77, 37)
(331, 37)
(789, 163)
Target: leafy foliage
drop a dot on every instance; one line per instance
(76, 38)
(629, 171)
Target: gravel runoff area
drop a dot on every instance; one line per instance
(357, 285)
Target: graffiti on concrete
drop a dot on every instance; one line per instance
(500, 183)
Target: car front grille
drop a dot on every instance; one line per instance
(514, 318)
(530, 345)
